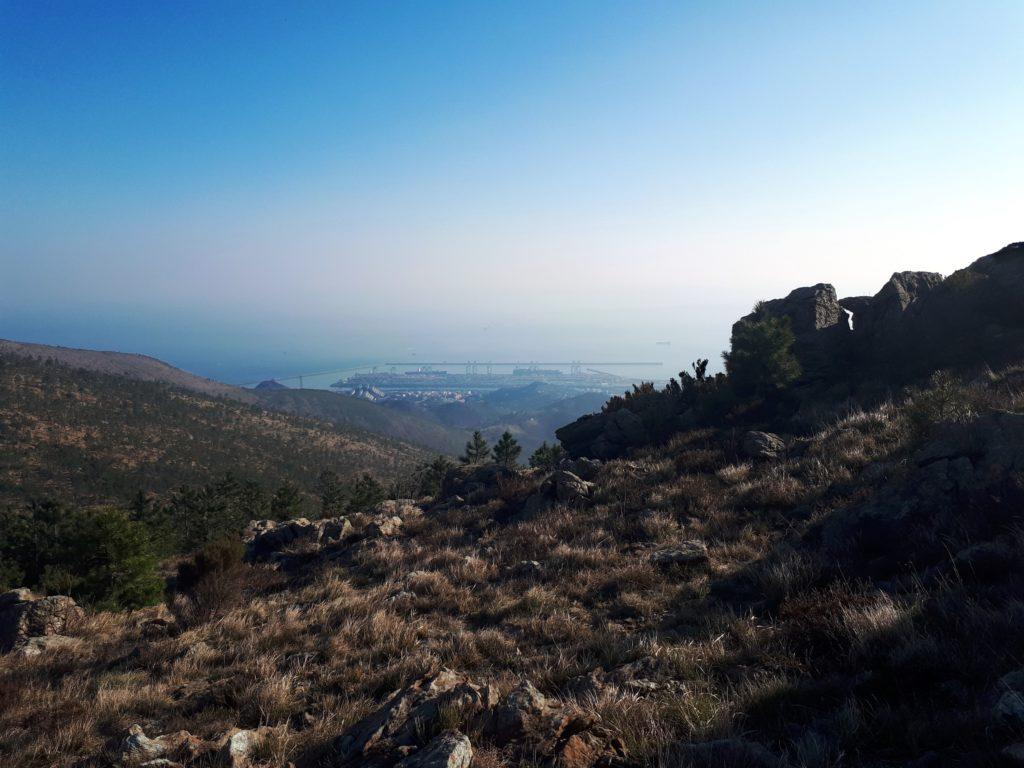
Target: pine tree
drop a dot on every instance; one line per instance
(477, 450)
(287, 501)
(364, 493)
(547, 456)
(431, 475)
(761, 360)
(332, 492)
(507, 450)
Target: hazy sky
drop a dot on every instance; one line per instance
(296, 182)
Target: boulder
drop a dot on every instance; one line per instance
(403, 508)
(762, 446)
(693, 552)
(137, 747)
(605, 435)
(583, 467)
(570, 489)
(383, 527)
(36, 646)
(523, 712)
(24, 616)
(408, 712)
(237, 749)
(449, 750)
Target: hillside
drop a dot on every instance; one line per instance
(342, 411)
(351, 412)
(88, 436)
(793, 571)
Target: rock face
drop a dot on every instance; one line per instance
(24, 616)
(919, 322)
(604, 435)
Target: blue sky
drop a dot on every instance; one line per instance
(228, 184)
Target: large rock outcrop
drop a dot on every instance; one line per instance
(605, 435)
(918, 322)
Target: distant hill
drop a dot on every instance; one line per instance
(362, 414)
(318, 404)
(270, 384)
(89, 436)
(132, 366)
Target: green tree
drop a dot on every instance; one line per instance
(546, 456)
(332, 492)
(477, 450)
(287, 502)
(507, 450)
(364, 493)
(431, 475)
(761, 359)
(100, 556)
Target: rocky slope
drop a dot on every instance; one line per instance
(852, 597)
(731, 596)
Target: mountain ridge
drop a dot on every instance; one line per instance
(339, 410)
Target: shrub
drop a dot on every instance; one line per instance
(212, 578)
(945, 401)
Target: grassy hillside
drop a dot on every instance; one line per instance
(87, 436)
(359, 414)
(854, 600)
(345, 412)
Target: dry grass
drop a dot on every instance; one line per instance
(766, 640)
